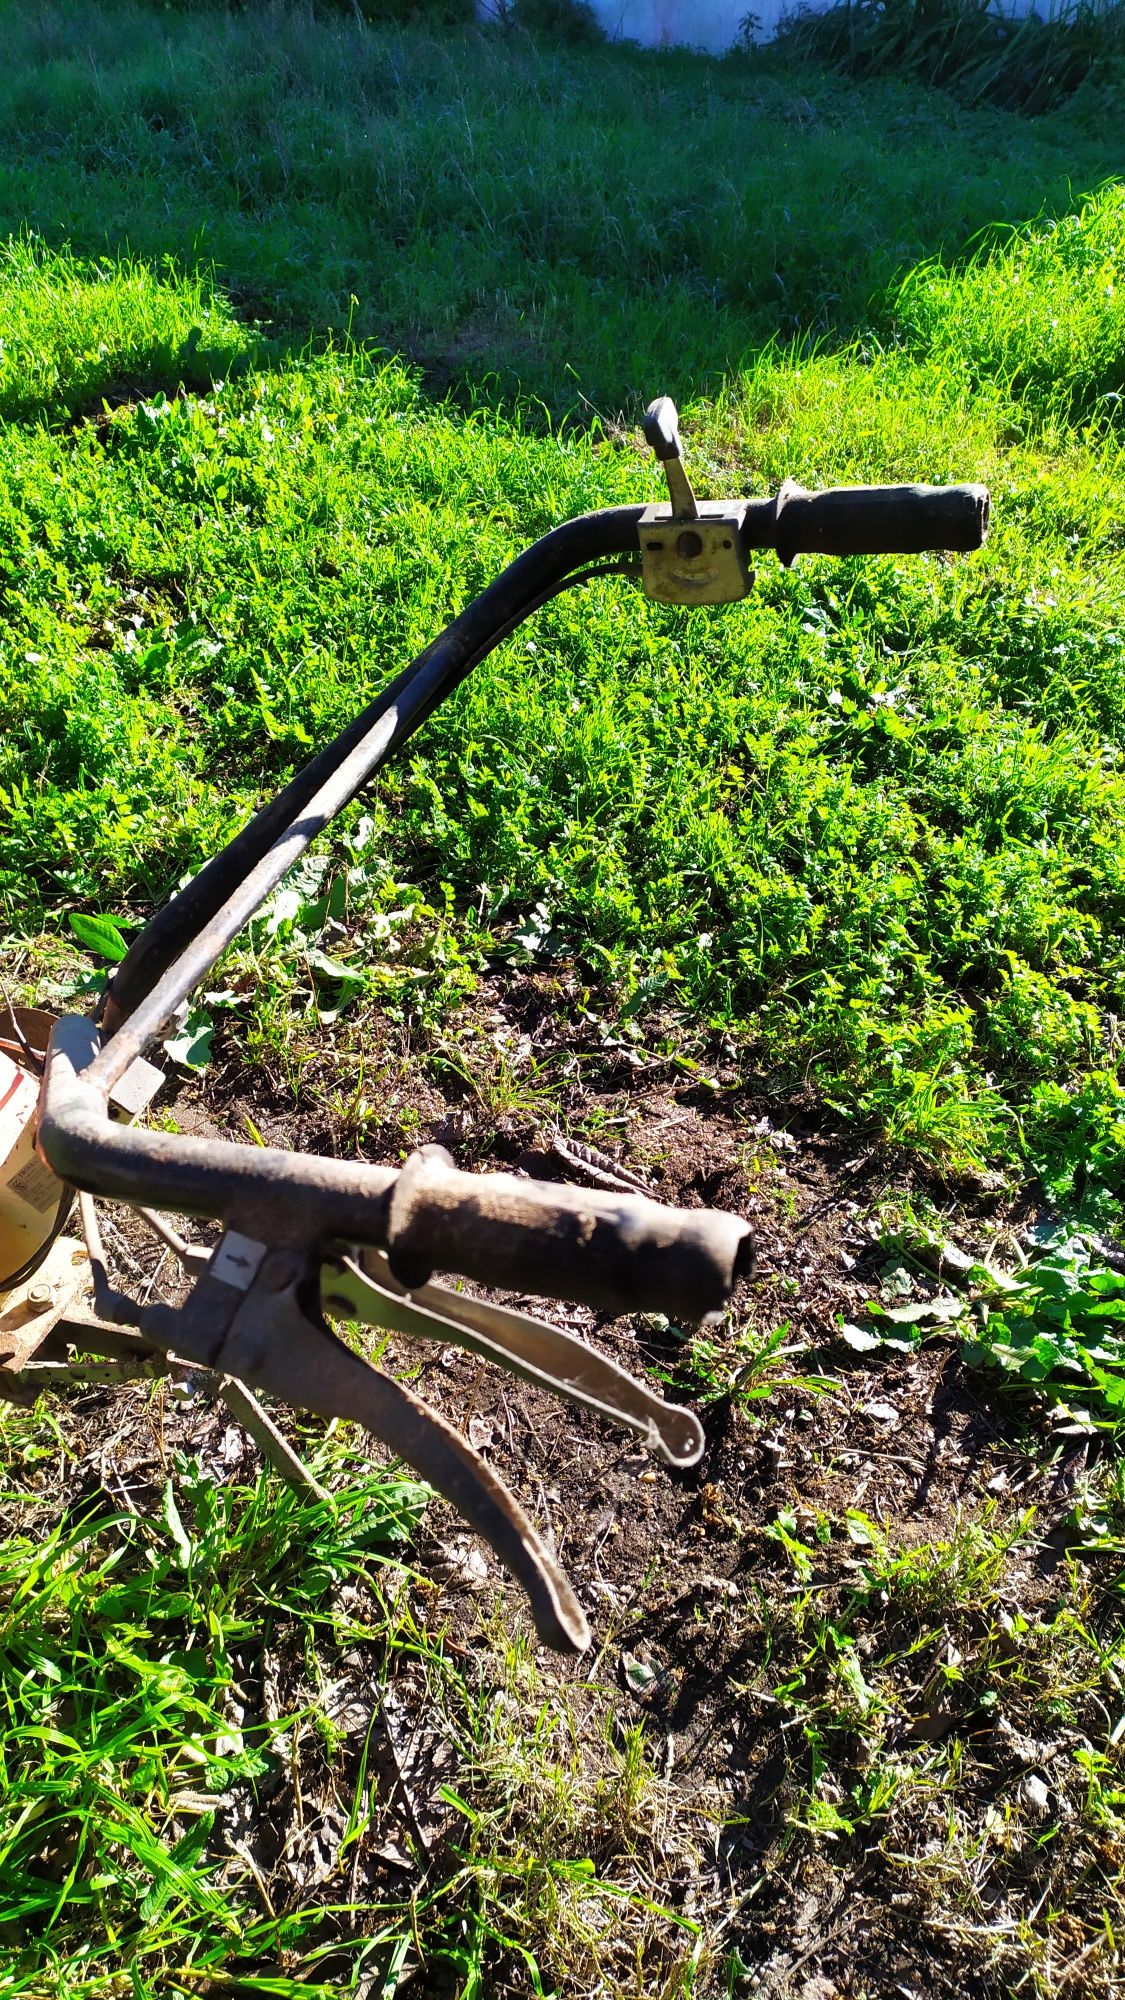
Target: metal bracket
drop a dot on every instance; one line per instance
(701, 562)
(49, 1340)
(275, 1344)
(691, 550)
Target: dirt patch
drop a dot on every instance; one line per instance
(831, 1630)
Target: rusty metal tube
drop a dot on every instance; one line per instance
(618, 1252)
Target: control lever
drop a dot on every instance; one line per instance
(254, 1320)
(692, 551)
(539, 1353)
(661, 426)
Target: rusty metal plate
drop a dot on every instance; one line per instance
(30, 1311)
(699, 561)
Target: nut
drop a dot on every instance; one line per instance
(279, 1270)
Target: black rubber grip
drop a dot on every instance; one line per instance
(661, 426)
(621, 1252)
(879, 520)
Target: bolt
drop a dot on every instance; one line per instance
(279, 1270)
(40, 1295)
(689, 544)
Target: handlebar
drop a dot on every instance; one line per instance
(575, 1246)
(844, 521)
(290, 1218)
(616, 1252)
(202, 917)
(874, 520)
(619, 1252)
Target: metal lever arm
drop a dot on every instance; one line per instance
(273, 1344)
(661, 425)
(525, 1346)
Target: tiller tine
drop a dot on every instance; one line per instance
(277, 1342)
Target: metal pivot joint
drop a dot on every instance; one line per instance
(692, 551)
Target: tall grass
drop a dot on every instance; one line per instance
(870, 822)
(492, 205)
(974, 48)
(1039, 313)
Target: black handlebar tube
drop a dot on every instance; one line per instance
(338, 771)
(180, 944)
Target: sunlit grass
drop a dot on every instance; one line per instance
(76, 331)
(134, 1649)
(867, 826)
(870, 820)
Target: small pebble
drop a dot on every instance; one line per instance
(1035, 1797)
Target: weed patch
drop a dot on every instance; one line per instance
(133, 1651)
(78, 333)
(968, 47)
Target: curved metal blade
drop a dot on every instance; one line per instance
(525, 1346)
(274, 1345)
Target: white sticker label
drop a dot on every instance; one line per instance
(237, 1259)
(36, 1187)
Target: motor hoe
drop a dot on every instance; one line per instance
(306, 1240)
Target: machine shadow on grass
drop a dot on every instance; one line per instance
(488, 205)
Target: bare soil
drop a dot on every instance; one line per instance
(699, 1613)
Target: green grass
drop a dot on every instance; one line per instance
(870, 821)
(74, 332)
(180, 1688)
(1040, 314)
(133, 1647)
(367, 311)
(495, 206)
(979, 52)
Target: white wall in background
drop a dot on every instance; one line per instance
(701, 24)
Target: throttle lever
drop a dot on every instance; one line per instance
(691, 552)
(661, 426)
